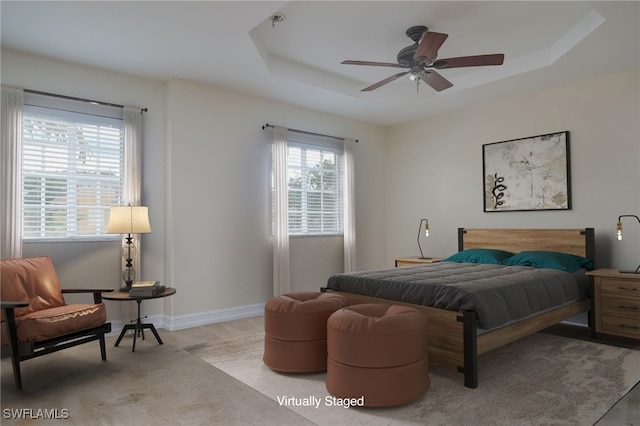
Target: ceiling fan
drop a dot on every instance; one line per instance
(421, 60)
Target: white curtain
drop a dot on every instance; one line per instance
(132, 190)
(349, 209)
(11, 173)
(281, 279)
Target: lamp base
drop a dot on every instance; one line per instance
(426, 258)
(630, 272)
(125, 289)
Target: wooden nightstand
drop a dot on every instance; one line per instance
(616, 298)
(412, 261)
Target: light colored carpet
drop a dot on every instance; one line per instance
(542, 379)
(159, 385)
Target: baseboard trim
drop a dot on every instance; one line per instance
(182, 322)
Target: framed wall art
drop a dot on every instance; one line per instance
(527, 174)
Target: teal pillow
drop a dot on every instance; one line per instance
(549, 259)
(479, 255)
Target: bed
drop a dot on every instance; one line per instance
(461, 327)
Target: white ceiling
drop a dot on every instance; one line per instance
(233, 44)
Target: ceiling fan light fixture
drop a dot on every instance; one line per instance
(416, 73)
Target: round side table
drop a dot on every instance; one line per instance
(138, 326)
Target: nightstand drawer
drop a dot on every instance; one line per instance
(621, 326)
(617, 287)
(621, 306)
(616, 302)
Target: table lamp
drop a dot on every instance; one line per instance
(426, 234)
(129, 220)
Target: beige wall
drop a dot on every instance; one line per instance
(218, 197)
(438, 163)
(206, 182)
(96, 264)
(206, 171)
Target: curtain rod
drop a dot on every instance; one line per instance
(71, 98)
(308, 133)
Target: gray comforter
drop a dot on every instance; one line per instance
(498, 294)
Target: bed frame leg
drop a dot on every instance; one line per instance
(470, 346)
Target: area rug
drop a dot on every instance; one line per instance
(541, 379)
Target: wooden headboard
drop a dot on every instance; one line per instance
(580, 242)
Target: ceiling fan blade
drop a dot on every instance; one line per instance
(469, 61)
(435, 80)
(429, 45)
(383, 82)
(374, 64)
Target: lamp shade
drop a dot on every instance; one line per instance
(129, 220)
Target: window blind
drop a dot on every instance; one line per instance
(72, 168)
(315, 189)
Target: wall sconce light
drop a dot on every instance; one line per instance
(129, 220)
(426, 234)
(619, 235)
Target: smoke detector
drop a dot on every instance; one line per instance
(276, 18)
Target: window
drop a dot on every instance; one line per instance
(315, 189)
(72, 170)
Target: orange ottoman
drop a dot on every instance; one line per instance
(378, 352)
(295, 326)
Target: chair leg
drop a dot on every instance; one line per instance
(15, 361)
(103, 347)
(13, 344)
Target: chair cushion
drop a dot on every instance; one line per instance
(32, 280)
(48, 323)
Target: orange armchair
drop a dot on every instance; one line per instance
(35, 318)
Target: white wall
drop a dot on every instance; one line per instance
(437, 163)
